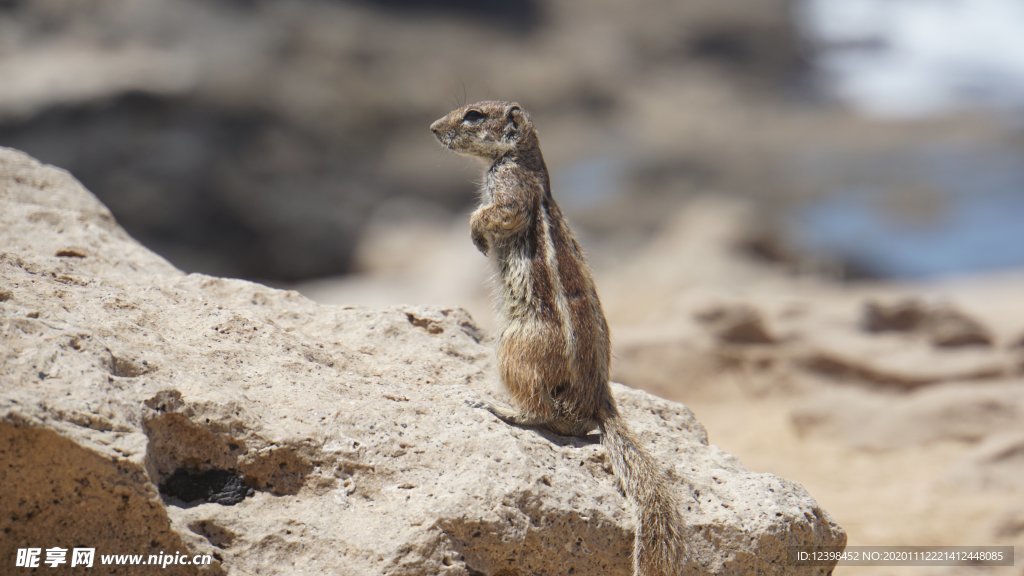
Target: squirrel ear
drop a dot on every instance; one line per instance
(514, 117)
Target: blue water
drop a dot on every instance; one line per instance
(972, 221)
(900, 59)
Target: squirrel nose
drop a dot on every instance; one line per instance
(436, 126)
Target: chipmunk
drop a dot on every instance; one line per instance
(554, 350)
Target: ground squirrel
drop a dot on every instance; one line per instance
(554, 349)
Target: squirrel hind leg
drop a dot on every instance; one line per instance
(510, 415)
(561, 426)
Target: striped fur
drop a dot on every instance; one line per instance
(554, 349)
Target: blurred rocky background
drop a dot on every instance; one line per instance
(806, 217)
(259, 139)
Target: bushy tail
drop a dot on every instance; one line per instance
(658, 550)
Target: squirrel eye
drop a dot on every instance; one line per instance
(473, 116)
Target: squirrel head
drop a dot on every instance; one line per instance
(489, 129)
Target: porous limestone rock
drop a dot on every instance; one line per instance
(145, 410)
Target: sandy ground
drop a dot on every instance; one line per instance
(885, 498)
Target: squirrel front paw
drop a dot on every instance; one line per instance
(480, 241)
(476, 231)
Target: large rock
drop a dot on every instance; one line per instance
(145, 410)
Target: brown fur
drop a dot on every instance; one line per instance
(554, 350)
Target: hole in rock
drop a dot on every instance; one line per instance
(213, 486)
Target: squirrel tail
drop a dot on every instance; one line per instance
(658, 549)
